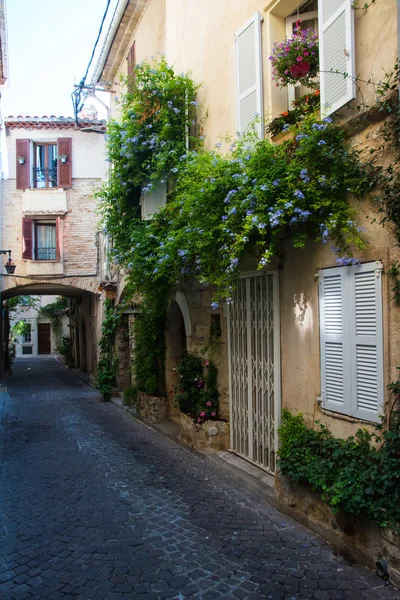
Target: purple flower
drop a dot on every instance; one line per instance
(224, 217)
(321, 143)
(214, 305)
(276, 182)
(304, 176)
(298, 194)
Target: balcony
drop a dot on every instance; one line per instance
(44, 178)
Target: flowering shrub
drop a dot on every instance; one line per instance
(226, 206)
(157, 115)
(306, 105)
(197, 394)
(296, 59)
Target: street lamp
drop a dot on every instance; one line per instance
(10, 265)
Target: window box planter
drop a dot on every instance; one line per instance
(279, 138)
(210, 436)
(154, 409)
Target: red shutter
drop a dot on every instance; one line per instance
(131, 58)
(27, 238)
(58, 238)
(23, 148)
(64, 170)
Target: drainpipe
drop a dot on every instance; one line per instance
(112, 30)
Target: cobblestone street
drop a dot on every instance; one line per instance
(94, 505)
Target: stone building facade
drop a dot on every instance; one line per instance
(49, 218)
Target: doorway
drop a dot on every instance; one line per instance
(44, 343)
(254, 369)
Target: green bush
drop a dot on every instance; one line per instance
(359, 475)
(130, 395)
(197, 395)
(65, 349)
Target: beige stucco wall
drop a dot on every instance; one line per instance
(200, 38)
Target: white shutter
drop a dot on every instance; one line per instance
(248, 75)
(334, 338)
(152, 202)
(366, 341)
(336, 53)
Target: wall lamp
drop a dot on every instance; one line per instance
(10, 265)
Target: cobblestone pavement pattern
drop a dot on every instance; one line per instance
(94, 505)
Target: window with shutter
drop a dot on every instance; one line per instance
(351, 340)
(336, 54)
(248, 72)
(23, 165)
(64, 162)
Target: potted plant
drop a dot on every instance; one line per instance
(296, 59)
(63, 158)
(21, 160)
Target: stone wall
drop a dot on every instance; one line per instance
(210, 436)
(363, 540)
(152, 408)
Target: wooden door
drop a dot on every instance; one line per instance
(44, 345)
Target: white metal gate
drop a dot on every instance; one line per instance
(254, 369)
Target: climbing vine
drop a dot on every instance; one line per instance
(107, 364)
(54, 312)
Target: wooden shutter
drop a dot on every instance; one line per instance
(336, 53)
(23, 148)
(131, 58)
(248, 75)
(366, 342)
(64, 170)
(335, 341)
(58, 238)
(27, 238)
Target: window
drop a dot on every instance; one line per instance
(27, 337)
(350, 301)
(41, 240)
(27, 350)
(45, 241)
(41, 165)
(44, 172)
(248, 76)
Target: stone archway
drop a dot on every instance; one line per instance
(176, 342)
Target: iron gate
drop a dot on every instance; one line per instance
(254, 369)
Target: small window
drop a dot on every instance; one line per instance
(45, 241)
(27, 337)
(44, 165)
(26, 349)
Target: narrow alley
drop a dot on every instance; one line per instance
(94, 505)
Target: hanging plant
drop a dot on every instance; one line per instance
(296, 59)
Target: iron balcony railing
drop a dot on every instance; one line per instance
(44, 177)
(45, 254)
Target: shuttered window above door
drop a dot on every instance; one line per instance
(351, 339)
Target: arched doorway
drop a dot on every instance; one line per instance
(176, 343)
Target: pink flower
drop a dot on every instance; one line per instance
(213, 414)
(207, 363)
(305, 53)
(299, 58)
(209, 403)
(202, 414)
(198, 420)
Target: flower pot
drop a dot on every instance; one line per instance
(21, 161)
(63, 159)
(300, 69)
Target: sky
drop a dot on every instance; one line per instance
(50, 43)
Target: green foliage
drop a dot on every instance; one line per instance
(65, 349)
(146, 144)
(54, 312)
(359, 475)
(226, 206)
(197, 393)
(107, 364)
(130, 395)
(306, 105)
(20, 328)
(18, 302)
(149, 351)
